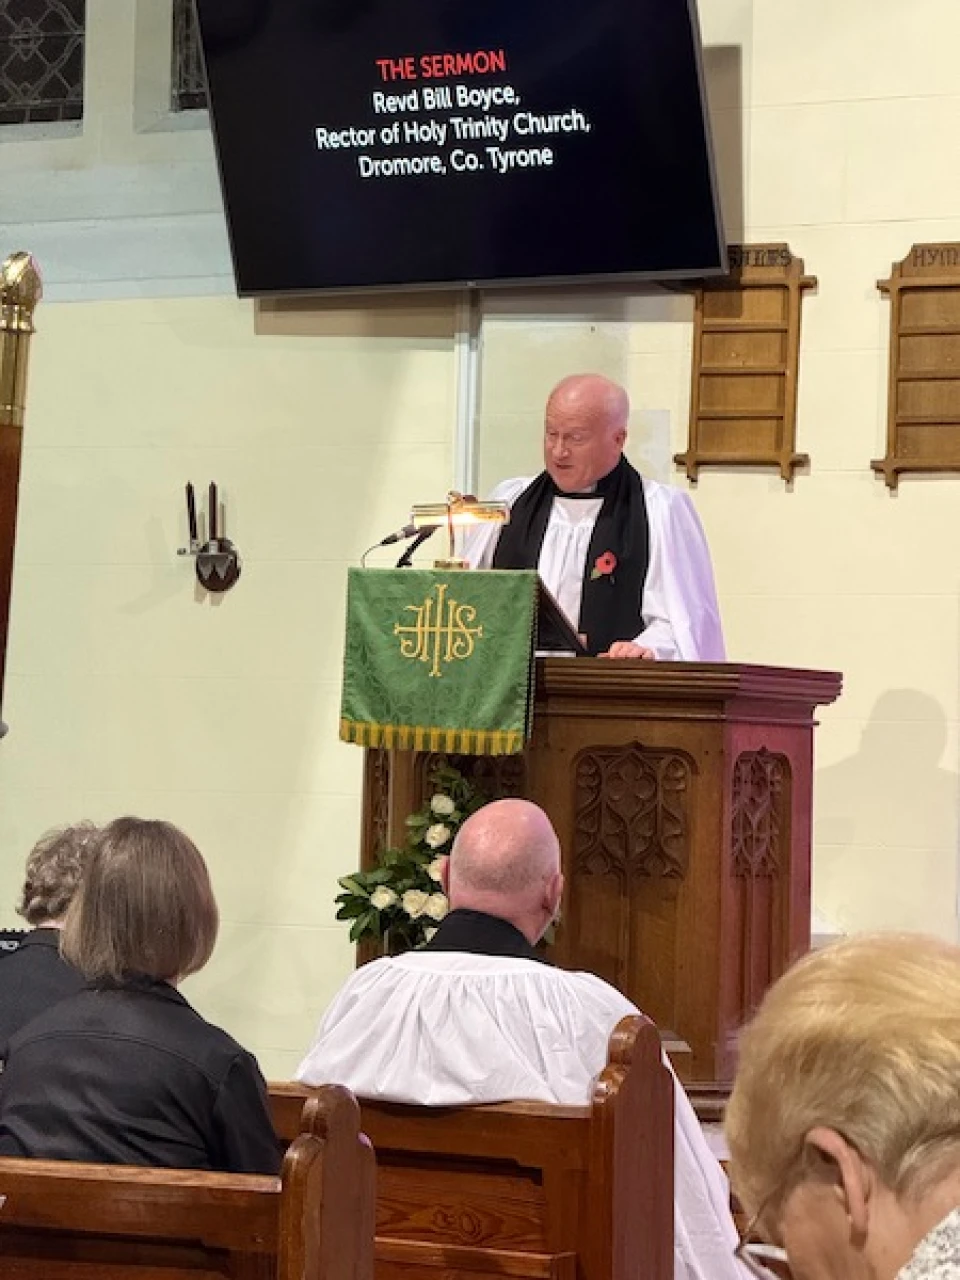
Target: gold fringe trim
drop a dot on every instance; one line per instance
(412, 737)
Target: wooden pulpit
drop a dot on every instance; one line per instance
(682, 795)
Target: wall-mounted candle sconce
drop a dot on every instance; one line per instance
(217, 560)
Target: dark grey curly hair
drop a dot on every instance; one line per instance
(54, 868)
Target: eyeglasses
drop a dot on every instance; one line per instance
(765, 1261)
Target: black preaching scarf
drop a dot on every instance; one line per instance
(617, 558)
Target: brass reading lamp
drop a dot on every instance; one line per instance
(460, 511)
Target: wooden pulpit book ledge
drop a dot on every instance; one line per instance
(554, 632)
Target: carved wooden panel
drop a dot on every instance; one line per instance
(488, 1207)
(760, 852)
(495, 777)
(760, 792)
(923, 401)
(635, 763)
(377, 790)
(632, 813)
(746, 348)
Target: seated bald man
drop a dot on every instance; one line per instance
(478, 1016)
(625, 557)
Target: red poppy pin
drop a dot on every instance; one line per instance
(604, 566)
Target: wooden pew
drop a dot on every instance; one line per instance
(71, 1221)
(527, 1189)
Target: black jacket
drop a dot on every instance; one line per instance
(131, 1074)
(32, 978)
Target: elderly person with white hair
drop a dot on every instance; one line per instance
(35, 975)
(844, 1122)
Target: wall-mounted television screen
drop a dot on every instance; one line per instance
(400, 143)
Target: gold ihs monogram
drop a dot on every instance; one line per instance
(441, 631)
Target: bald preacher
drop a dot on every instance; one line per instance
(625, 556)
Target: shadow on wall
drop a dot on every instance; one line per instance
(887, 823)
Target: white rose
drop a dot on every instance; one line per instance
(414, 902)
(382, 897)
(436, 906)
(435, 869)
(442, 805)
(437, 835)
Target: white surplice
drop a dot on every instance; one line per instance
(447, 1028)
(679, 607)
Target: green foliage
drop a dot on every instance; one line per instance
(401, 900)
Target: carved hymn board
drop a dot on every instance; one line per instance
(923, 402)
(746, 349)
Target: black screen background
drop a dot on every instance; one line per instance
(634, 195)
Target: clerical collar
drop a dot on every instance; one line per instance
(599, 490)
(483, 935)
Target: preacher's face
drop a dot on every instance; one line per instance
(582, 442)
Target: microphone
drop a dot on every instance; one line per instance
(406, 560)
(408, 531)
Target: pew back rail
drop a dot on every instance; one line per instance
(71, 1221)
(527, 1189)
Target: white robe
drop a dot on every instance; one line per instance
(446, 1028)
(679, 608)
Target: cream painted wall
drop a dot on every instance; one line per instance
(128, 692)
(843, 115)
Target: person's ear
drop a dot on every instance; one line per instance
(553, 894)
(833, 1158)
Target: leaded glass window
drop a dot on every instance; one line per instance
(41, 60)
(189, 81)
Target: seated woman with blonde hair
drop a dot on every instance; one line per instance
(844, 1122)
(126, 1072)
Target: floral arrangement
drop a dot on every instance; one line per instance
(400, 901)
